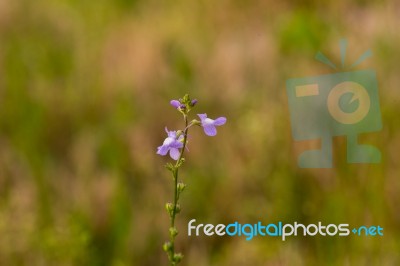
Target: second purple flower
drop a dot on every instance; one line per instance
(209, 125)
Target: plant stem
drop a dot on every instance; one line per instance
(176, 195)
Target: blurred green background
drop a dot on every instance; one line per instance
(84, 98)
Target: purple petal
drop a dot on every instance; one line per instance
(162, 150)
(210, 130)
(168, 141)
(175, 103)
(171, 134)
(176, 144)
(207, 122)
(202, 116)
(174, 153)
(220, 121)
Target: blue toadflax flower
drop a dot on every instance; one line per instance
(177, 104)
(172, 143)
(209, 124)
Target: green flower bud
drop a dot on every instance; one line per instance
(173, 231)
(181, 187)
(167, 246)
(178, 257)
(186, 99)
(178, 133)
(170, 208)
(178, 208)
(195, 122)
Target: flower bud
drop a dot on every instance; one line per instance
(170, 208)
(181, 187)
(167, 246)
(193, 102)
(195, 122)
(173, 231)
(175, 103)
(186, 98)
(178, 257)
(178, 208)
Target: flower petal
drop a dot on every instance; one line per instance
(202, 116)
(220, 121)
(210, 130)
(175, 103)
(207, 121)
(176, 144)
(168, 141)
(174, 153)
(172, 134)
(162, 150)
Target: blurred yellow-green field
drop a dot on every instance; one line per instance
(84, 98)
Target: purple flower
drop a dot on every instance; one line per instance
(172, 143)
(193, 102)
(209, 124)
(175, 103)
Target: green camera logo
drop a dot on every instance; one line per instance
(339, 104)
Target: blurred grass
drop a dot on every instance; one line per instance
(84, 92)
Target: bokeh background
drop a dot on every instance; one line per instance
(84, 98)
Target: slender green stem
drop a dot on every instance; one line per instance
(171, 253)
